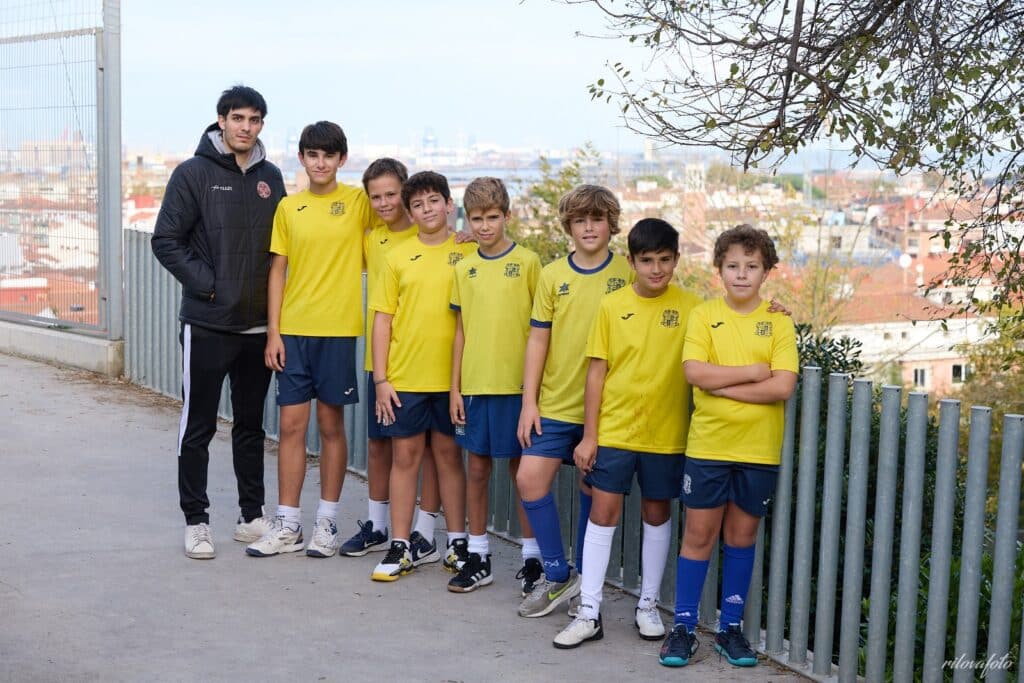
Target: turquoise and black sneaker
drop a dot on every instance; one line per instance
(679, 646)
(733, 645)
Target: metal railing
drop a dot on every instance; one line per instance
(845, 497)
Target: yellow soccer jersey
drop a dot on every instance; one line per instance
(322, 236)
(376, 245)
(566, 302)
(721, 428)
(416, 287)
(495, 296)
(645, 404)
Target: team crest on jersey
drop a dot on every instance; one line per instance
(337, 208)
(472, 272)
(454, 257)
(614, 283)
(511, 270)
(670, 318)
(563, 289)
(263, 190)
(763, 328)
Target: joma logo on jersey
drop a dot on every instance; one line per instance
(563, 289)
(472, 272)
(670, 318)
(614, 283)
(763, 328)
(454, 257)
(337, 208)
(511, 270)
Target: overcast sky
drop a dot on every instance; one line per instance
(501, 71)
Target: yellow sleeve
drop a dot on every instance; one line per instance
(785, 355)
(366, 246)
(597, 341)
(456, 302)
(543, 303)
(698, 338)
(386, 299)
(533, 276)
(279, 233)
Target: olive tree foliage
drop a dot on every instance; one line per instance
(927, 85)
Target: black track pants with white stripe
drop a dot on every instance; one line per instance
(207, 357)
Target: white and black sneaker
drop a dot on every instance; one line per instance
(325, 539)
(397, 563)
(579, 631)
(474, 573)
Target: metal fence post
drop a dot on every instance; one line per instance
(110, 273)
(803, 537)
(778, 570)
(941, 554)
(885, 521)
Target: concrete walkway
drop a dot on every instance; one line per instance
(94, 585)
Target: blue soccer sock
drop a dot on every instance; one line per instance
(543, 516)
(737, 568)
(581, 527)
(690, 575)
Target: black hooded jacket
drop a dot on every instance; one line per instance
(213, 234)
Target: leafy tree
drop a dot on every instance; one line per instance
(908, 85)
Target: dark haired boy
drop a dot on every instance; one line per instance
(741, 360)
(315, 315)
(492, 297)
(413, 333)
(554, 378)
(636, 406)
(382, 181)
(213, 235)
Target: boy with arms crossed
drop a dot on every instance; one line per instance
(382, 181)
(413, 333)
(636, 407)
(555, 367)
(313, 294)
(492, 297)
(741, 359)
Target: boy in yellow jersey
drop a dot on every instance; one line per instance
(554, 378)
(741, 359)
(413, 334)
(492, 297)
(636, 409)
(314, 317)
(382, 181)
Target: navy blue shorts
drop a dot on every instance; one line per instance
(373, 428)
(712, 483)
(658, 474)
(323, 368)
(491, 424)
(558, 440)
(420, 412)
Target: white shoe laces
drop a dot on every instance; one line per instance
(200, 533)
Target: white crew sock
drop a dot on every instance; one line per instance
(652, 562)
(290, 517)
(479, 545)
(378, 512)
(453, 535)
(598, 542)
(325, 509)
(530, 549)
(426, 522)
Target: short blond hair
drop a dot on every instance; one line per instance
(589, 200)
(486, 193)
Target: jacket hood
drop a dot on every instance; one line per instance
(211, 146)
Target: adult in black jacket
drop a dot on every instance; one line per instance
(213, 235)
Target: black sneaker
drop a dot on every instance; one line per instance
(679, 646)
(735, 647)
(458, 552)
(423, 551)
(530, 574)
(473, 573)
(366, 540)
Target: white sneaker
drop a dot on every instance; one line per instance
(199, 542)
(648, 622)
(325, 539)
(281, 539)
(247, 532)
(579, 631)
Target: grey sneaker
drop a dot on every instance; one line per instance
(547, 596)
(199, 542)
(574, 607)
(247, 532)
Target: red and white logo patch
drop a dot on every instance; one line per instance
(262, 189)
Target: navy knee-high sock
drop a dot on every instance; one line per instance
(690, 575)
(543, 516)
(737, 568)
